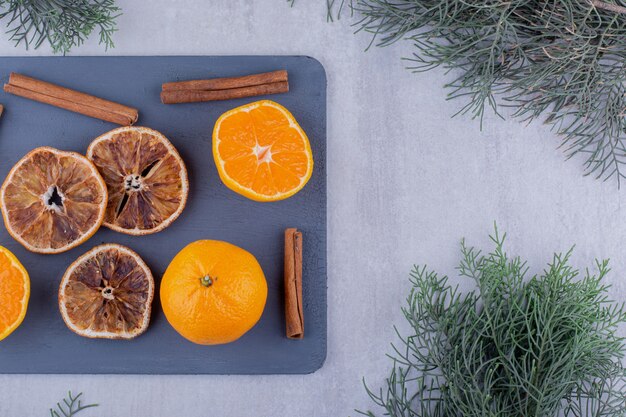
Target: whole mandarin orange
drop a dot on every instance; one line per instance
(213, 292)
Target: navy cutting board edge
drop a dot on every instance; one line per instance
(43, 344)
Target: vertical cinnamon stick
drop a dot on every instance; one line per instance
(293, 284)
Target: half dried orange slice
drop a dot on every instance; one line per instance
(14, 292)
(261, 151)
(107, 293)
(53, 200)
(145, 176)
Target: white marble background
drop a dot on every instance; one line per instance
(405, 183)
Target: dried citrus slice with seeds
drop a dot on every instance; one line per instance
(145, 176)
(107, 293)
(261, 152)
(14, 292)
(53, 200)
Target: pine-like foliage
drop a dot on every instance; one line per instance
(561, 60)
(545, 346)
(70, 406)
(63, 24)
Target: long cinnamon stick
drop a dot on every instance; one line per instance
(293, 284)
(192, 96)
(69, 99)
(229, 82)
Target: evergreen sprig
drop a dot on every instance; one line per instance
(71, 406)
(63, 24)
(563, 60)
(540, 347)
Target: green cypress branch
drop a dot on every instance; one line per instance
(544, 346)
(63, 24)
(609, 6)
(70, 406)
(562, 61)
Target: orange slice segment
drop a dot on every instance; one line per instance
(145, 176)
(14, 292)
(107, 293)
(261, 152)
(53, 200)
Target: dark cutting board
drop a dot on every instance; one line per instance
(43, 344)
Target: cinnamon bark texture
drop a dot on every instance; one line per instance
(225, 88)
(72, 100)
(228, 83)
(293, 284)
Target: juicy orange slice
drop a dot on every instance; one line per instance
(14, 292)
(145, 176)
(53, 200)
(107, 293)
(261, 152)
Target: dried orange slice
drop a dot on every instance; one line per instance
(261, 152)
(107, 293)
(145, 176)
(14, 292)
(53, 200)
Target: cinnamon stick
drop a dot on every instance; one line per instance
(69, 99)
(192, 96)
(228, 83)
(293, 284)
